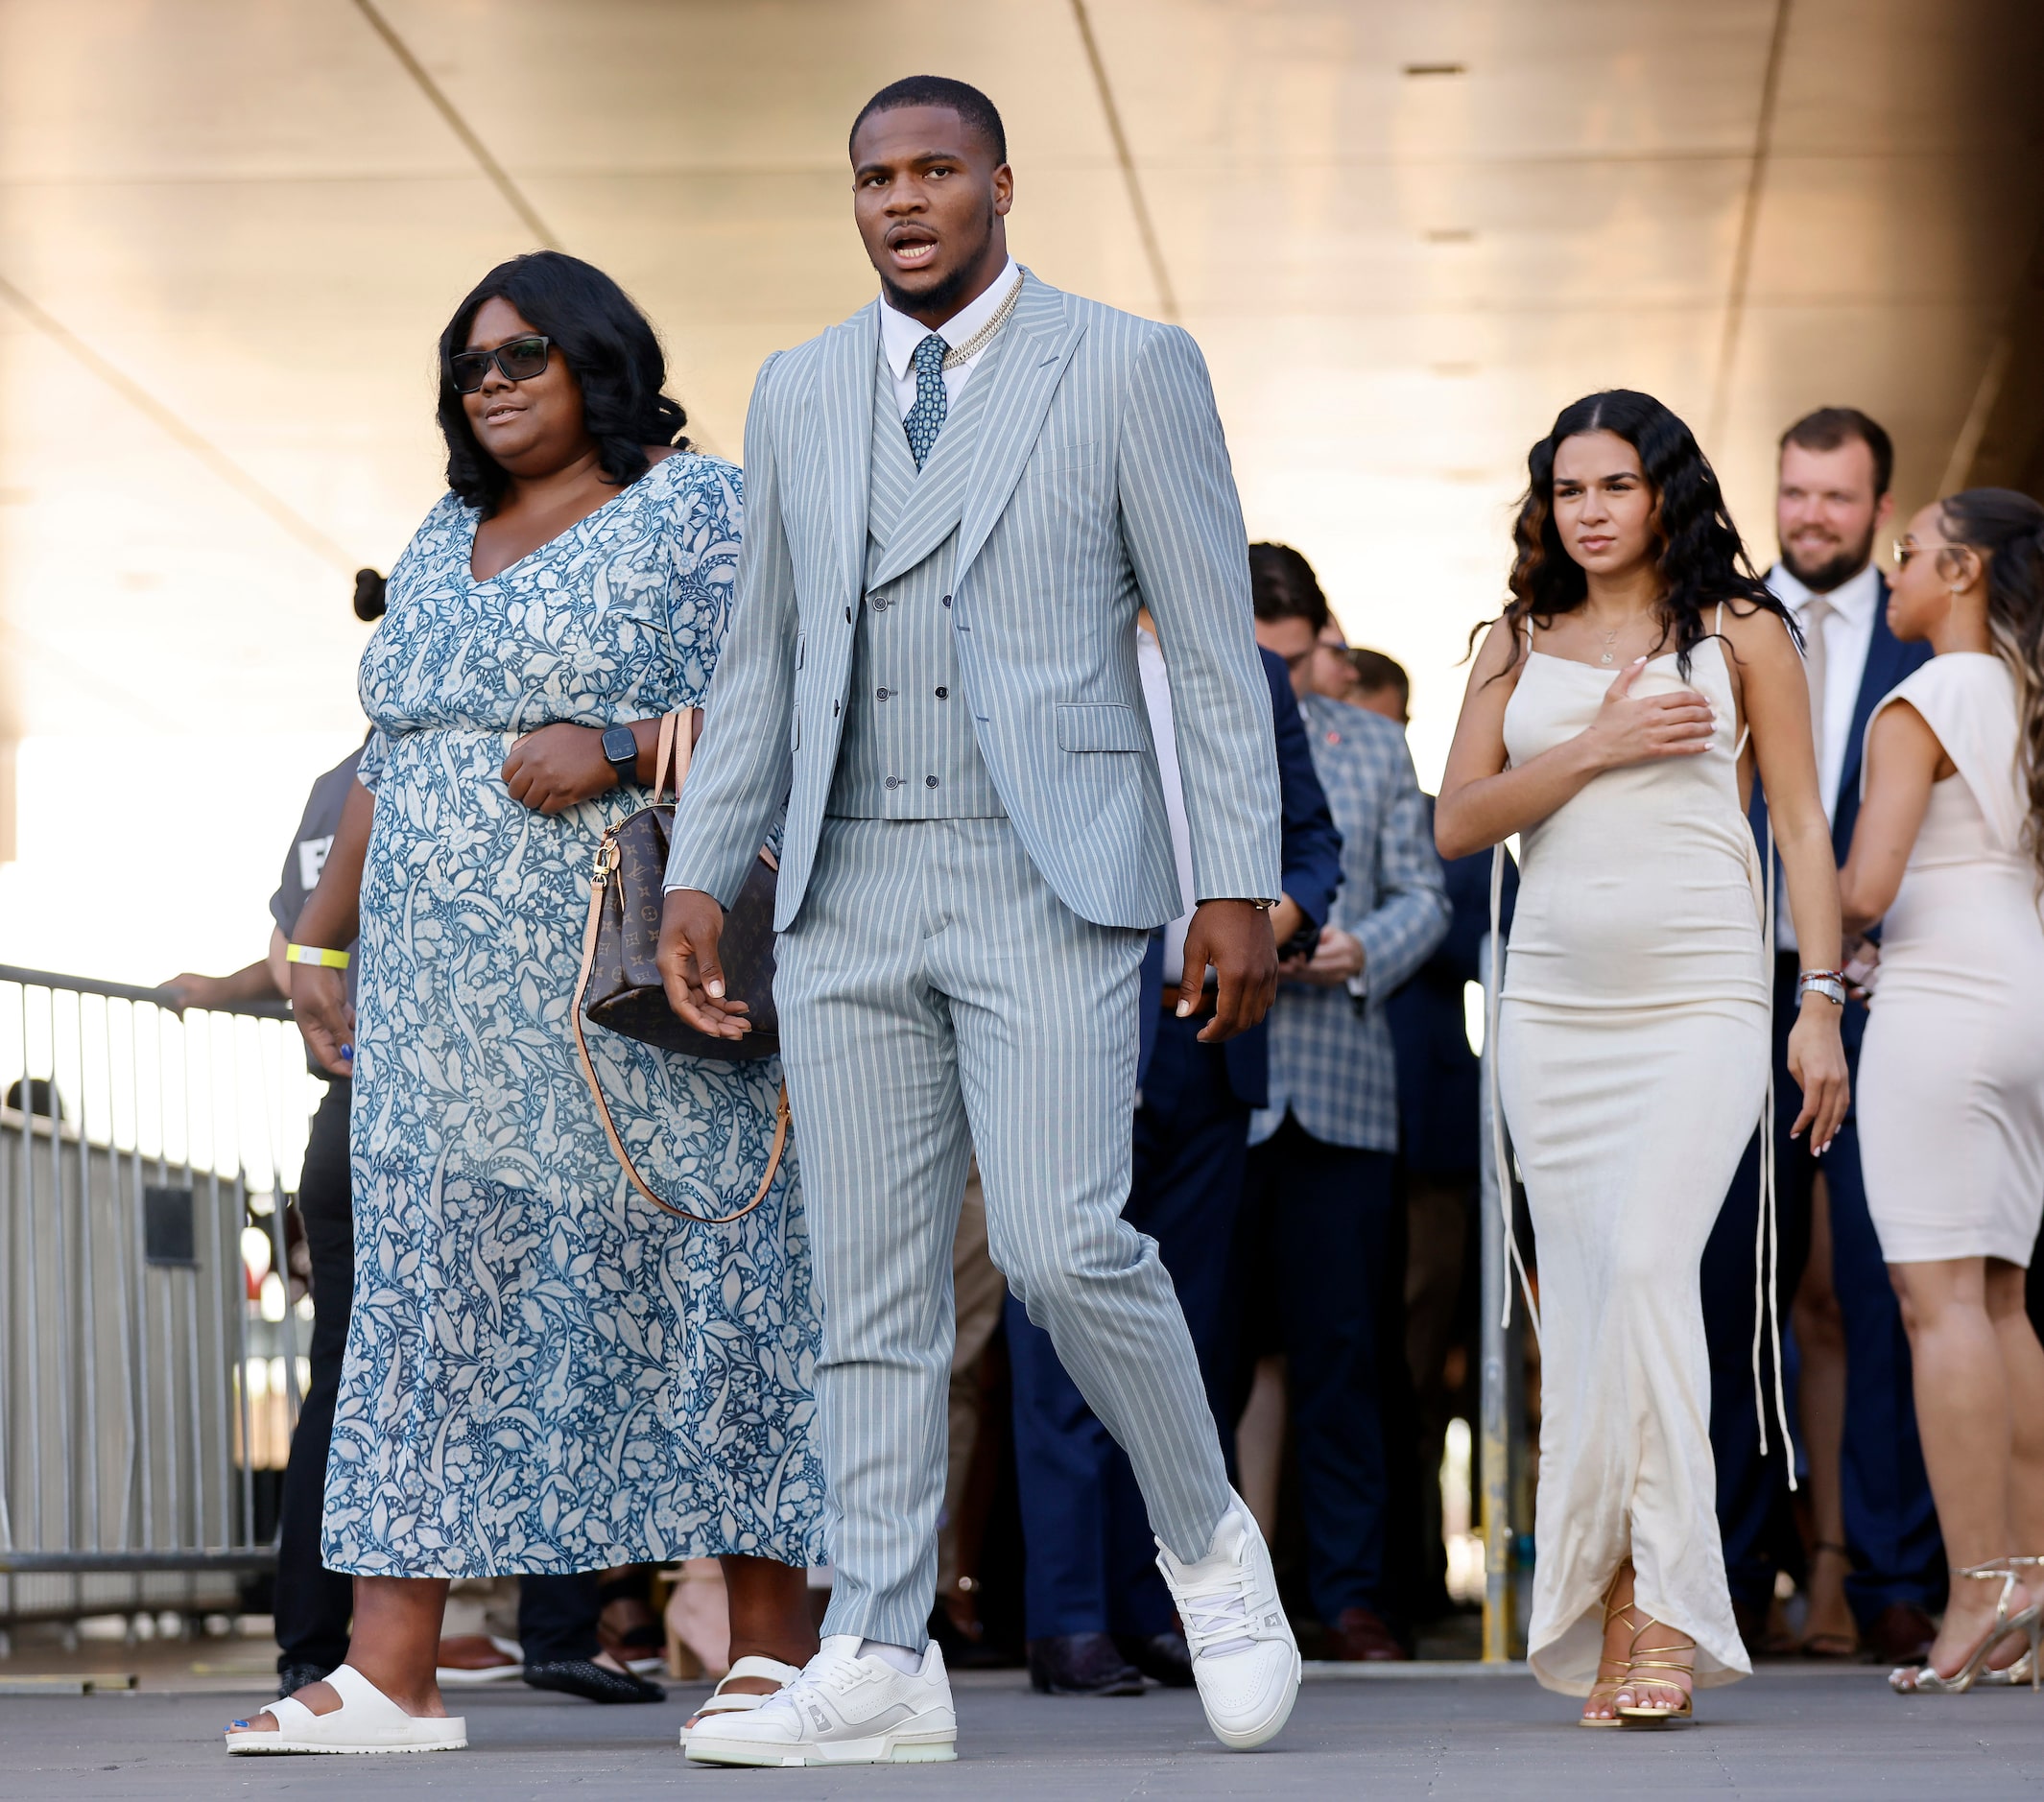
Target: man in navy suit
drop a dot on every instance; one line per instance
(1832, 502)
(1098, 1614)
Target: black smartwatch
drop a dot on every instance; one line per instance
(621, 751)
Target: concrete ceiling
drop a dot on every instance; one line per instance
(1405, 232)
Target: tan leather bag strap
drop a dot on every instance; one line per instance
(674, 744)
(677, 748)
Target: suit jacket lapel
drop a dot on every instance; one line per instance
(846, 417)
(1886, 666)
(1043, 340)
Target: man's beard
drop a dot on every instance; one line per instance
(1835, 570)
(947, 296)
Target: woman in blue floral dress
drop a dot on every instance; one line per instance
(544, 1374)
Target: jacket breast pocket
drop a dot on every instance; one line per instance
(1098, 725)
(1068, 454)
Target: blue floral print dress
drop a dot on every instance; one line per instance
(543, 1372)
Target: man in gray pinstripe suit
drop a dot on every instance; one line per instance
(957, 500)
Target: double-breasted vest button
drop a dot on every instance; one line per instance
(879, 605)
(894, 782)
(883, 693)
(947, 600)
(929, 782)
(943, 694)
(834, 705)
(847, 616)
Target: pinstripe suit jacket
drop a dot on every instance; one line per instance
(1101, 481)
(1331, 1061)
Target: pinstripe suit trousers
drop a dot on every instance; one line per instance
(936, 996)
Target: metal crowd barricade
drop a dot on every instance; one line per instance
(149, 1348)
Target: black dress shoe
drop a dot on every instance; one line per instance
(592, 1682)
(292, 1678)
(1361, 1636)
(1164, 1656)
(1080, 1664)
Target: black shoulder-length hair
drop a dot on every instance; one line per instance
(1701, 559)
(602, 337)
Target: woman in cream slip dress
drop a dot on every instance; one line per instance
(1601, 724)
(1947, 857)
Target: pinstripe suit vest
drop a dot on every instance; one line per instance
(908, 749)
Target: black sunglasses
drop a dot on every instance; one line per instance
(520, 360)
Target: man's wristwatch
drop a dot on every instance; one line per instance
(621, 751)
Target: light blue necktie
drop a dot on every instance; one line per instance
(924, 420)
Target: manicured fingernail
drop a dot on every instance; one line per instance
(716, 988)
(1184, 1008)
(348, 1053)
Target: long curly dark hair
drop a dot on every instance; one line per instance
(602, 337)
(1701, 559)
(2006, 528)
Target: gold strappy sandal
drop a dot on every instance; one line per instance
(1658, 1713)
(1612, 1684)
(1928, 1680)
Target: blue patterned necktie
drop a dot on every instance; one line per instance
(924, 420)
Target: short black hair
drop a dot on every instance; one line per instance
(1282, 586)
(602, 337)
(1829, 427)
(1375, 672)
(939, 90)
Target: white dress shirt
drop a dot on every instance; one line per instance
(1156, 698)
(900, 335)
(1848, 633)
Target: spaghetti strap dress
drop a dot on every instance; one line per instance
(1952, 1071)
(1633, 1064)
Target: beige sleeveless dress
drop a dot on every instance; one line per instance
(1633, 1058)
(1951, 1101)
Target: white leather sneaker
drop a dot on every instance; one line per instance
(1245, 1659)
(841, 1710)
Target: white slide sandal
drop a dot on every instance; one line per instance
(368, 1721)
(720, 1701)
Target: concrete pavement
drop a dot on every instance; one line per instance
(1788, 1733)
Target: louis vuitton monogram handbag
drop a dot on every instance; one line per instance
(620, 988)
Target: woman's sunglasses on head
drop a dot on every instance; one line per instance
(519, 361)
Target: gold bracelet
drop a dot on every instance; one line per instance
(313, 954)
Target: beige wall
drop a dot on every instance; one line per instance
(230, 229)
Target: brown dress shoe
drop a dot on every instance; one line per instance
(476, 1658)
(1900, 1635)
(1361, 1637)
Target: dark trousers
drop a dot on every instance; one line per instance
(1891, 1521)
(1322, 1252)
(1090, 1563)
(557, 1616)
(313, 1604)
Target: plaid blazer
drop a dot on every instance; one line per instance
(1331, 1057)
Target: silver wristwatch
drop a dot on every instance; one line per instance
(1828, 984)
